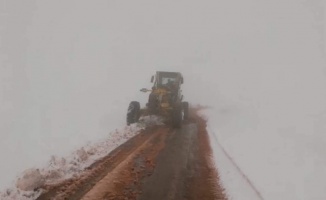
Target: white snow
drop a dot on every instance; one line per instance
(233, 180)
(61, 168)
(32, 179)
(282, 160)
(69, 68)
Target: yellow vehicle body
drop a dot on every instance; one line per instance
(165, 99)
(165, 107)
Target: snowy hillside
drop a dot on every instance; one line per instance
(68, 70)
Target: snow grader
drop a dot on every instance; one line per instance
(165, 100)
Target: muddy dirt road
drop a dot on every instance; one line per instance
(160, 163)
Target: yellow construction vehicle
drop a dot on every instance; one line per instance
(165, 99)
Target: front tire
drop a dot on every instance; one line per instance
(133, 113)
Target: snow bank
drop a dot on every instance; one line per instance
(233, 180)
(282, 161)
(61, 168)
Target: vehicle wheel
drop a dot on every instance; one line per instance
(185, 107)
(133, 113)
(177, 117)
(152, 104)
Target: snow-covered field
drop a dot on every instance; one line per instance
(69, 68)
(282, 153)
(60, 168)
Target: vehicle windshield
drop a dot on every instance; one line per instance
(167, 78)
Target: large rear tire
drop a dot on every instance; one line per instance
(185, 107)
(133, 113)
(177, 117)
(152, 104)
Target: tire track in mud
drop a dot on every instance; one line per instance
(124, 182)
(77, 187)
(159, 163)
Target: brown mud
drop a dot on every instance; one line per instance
(159, 163)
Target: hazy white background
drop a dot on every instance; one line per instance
(68, 69)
